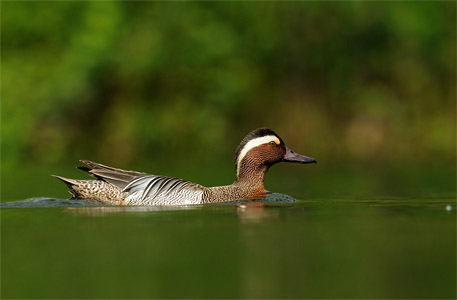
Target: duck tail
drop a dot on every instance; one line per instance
(71, 183)
(96, 191)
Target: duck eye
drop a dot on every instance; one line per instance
(272, 143)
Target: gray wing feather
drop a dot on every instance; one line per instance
(139, 183)
(152, 183)
(152, 189)
(118, 177)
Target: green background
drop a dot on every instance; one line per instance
(368, 89)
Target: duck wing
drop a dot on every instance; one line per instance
(159, 190)
(117, 177)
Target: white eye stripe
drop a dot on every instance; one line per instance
(254, 143)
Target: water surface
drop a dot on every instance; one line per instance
(324, 248)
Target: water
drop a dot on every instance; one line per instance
(324, 248)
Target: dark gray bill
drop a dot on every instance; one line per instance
(291, 156)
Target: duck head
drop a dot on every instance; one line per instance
(261, 149)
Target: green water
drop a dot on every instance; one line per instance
(325, 248)
(361, 233)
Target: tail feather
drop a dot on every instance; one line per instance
(70, 183)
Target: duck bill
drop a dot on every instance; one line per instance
(291, 156)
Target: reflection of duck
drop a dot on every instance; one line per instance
(259, 150)
(105, 210)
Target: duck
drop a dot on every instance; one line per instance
(256, 153)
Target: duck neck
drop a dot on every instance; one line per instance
(251, 177)
(248, 185)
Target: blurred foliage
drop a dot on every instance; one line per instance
(176, 82)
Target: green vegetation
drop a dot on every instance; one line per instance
(165, 86)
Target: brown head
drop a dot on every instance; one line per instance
(261, 149)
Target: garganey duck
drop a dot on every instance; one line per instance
(257, 152)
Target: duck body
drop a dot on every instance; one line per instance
(257, 152)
